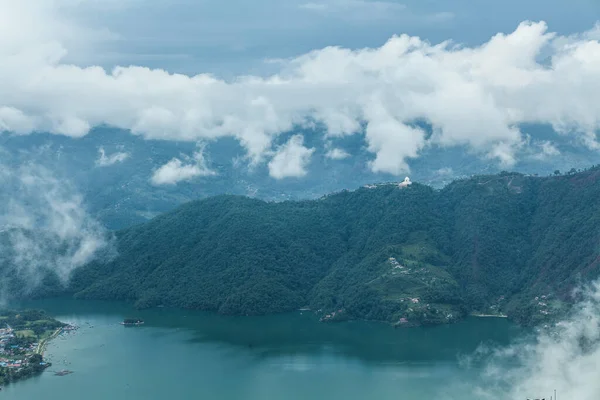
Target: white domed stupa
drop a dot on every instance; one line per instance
(405, 183)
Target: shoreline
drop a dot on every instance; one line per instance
(488, 315)
(22, 360)
(41, 348)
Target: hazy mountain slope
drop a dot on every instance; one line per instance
(122, 194)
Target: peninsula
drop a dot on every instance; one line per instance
(24, 336)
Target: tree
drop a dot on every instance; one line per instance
(36, 359)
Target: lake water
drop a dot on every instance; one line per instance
(180, 354)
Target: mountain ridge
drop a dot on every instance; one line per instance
(506, 243)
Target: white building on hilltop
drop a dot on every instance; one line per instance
(405, 183)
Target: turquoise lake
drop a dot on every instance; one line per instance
(181, 354)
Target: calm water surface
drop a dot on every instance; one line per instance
(191, 355)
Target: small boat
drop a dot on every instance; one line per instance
(132, 321)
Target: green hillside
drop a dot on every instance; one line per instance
(487, 244)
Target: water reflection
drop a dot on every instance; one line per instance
(297, 334)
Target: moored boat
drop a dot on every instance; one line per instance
(132, 321)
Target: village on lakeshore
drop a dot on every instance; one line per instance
(23, 339)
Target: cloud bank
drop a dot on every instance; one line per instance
(470, 96)
(563, 357)
(44, 227)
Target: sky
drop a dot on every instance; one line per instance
(234, 37)
(473, 72)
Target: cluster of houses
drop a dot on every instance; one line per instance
(329, 317)
(6, 363)
(11, 355)
(541, 302)
(406, 182)
(396, 266)
(6, 335)
(427, 307)
(70, 328)
(399, 267)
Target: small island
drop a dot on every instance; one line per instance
(23, 339)
(132, 321)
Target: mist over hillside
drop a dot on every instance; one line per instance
(46, 231)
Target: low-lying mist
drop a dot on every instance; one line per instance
(44, 229)
(563, 356)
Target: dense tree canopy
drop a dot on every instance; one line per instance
(488, 244)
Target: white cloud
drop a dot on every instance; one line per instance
(549, 149)
(291, 159)
(545, 149)
(43, 227)
(337, 154)
(562, 357)
(15, 121)
(472, 96)
(446, 171)
(105, 161)
(178, 171)
(44, 29)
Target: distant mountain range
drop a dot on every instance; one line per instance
(113, 168)
(493, 244)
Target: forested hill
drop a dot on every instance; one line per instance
(504, 243)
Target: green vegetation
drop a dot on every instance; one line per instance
(23, 335)
(504, 243)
